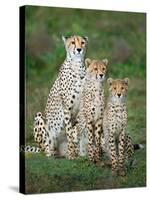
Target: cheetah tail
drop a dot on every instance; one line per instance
(30, 149)
(138, 146)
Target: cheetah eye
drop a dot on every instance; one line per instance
(114, 88)
(122, 88)
(72, 42)
(103, 68)
(82, 42)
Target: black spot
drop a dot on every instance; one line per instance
(73, 96)
(66, 118)
(32, 149)
(40, 129)
(27, 148)
(111, 141)
(41, 123)
(71, 101)
(93, 109)
(70, 108)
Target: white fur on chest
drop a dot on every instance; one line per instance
(77, 93)
(119, 118)
(98, 101)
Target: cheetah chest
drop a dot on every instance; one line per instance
(76, 97)
(119, 119)
(98, 105)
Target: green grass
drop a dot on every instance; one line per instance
(61, 175)
(118, 36)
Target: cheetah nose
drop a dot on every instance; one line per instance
(79, 49)
(101, 75)
(119, 94)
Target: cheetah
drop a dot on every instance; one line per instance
(114, 126)
(64, 97)
(40, 133)
(89, 119)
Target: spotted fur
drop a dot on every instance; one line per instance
(63, 100)
(115, 123)
(30, 149)
(89, 119)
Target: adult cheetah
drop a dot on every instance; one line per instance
(64, 97)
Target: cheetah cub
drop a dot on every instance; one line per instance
(89, 118)
(114, 124)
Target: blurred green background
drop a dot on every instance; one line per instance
(118, 36)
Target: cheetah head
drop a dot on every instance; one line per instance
(96, 68)
(118, 88)
(75, 46)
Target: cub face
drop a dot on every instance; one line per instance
(118, 88)
(75, 45)
(96, 68)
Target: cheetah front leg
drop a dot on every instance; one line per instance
(113, 154)
(75, 135)
(91, 151)
(68, 127)
(122, 153)
(98, 133)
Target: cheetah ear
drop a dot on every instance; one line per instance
(105, 61)
(109, 81)
(87, 62)
(85, 38)
(64, 38)
(127, 81)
